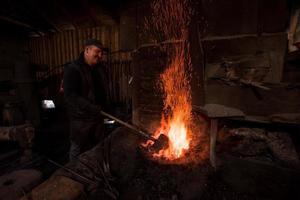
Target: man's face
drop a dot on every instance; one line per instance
(92, 55)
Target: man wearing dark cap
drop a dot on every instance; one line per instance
(85, 92)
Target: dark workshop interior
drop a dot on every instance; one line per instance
(149, 99)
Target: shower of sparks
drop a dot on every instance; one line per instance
(170, 21)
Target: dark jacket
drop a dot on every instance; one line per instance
(85, 90)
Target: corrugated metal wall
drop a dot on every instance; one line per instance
(120, 79)
(57, 49)
(60, 48)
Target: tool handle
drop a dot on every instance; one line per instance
(128, 125)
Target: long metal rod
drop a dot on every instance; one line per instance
(143, 133)
(87, 180)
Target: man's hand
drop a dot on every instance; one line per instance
(96, 110)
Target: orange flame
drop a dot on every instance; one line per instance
(177, 105)
(170, 20)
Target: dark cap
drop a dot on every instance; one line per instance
(94, 42)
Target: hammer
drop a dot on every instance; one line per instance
(160, 143)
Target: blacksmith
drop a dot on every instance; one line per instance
(85, 92)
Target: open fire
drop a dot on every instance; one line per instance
(177, 107)
(169, 21)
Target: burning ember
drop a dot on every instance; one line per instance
(169, 21)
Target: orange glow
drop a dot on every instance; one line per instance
(177, 107)
(170, 21)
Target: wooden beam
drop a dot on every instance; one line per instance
(22, 24)
(16, 22)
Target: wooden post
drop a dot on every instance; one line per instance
(213, 139)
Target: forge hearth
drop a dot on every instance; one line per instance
(135, 176)
(157, 180)
(197, 153)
